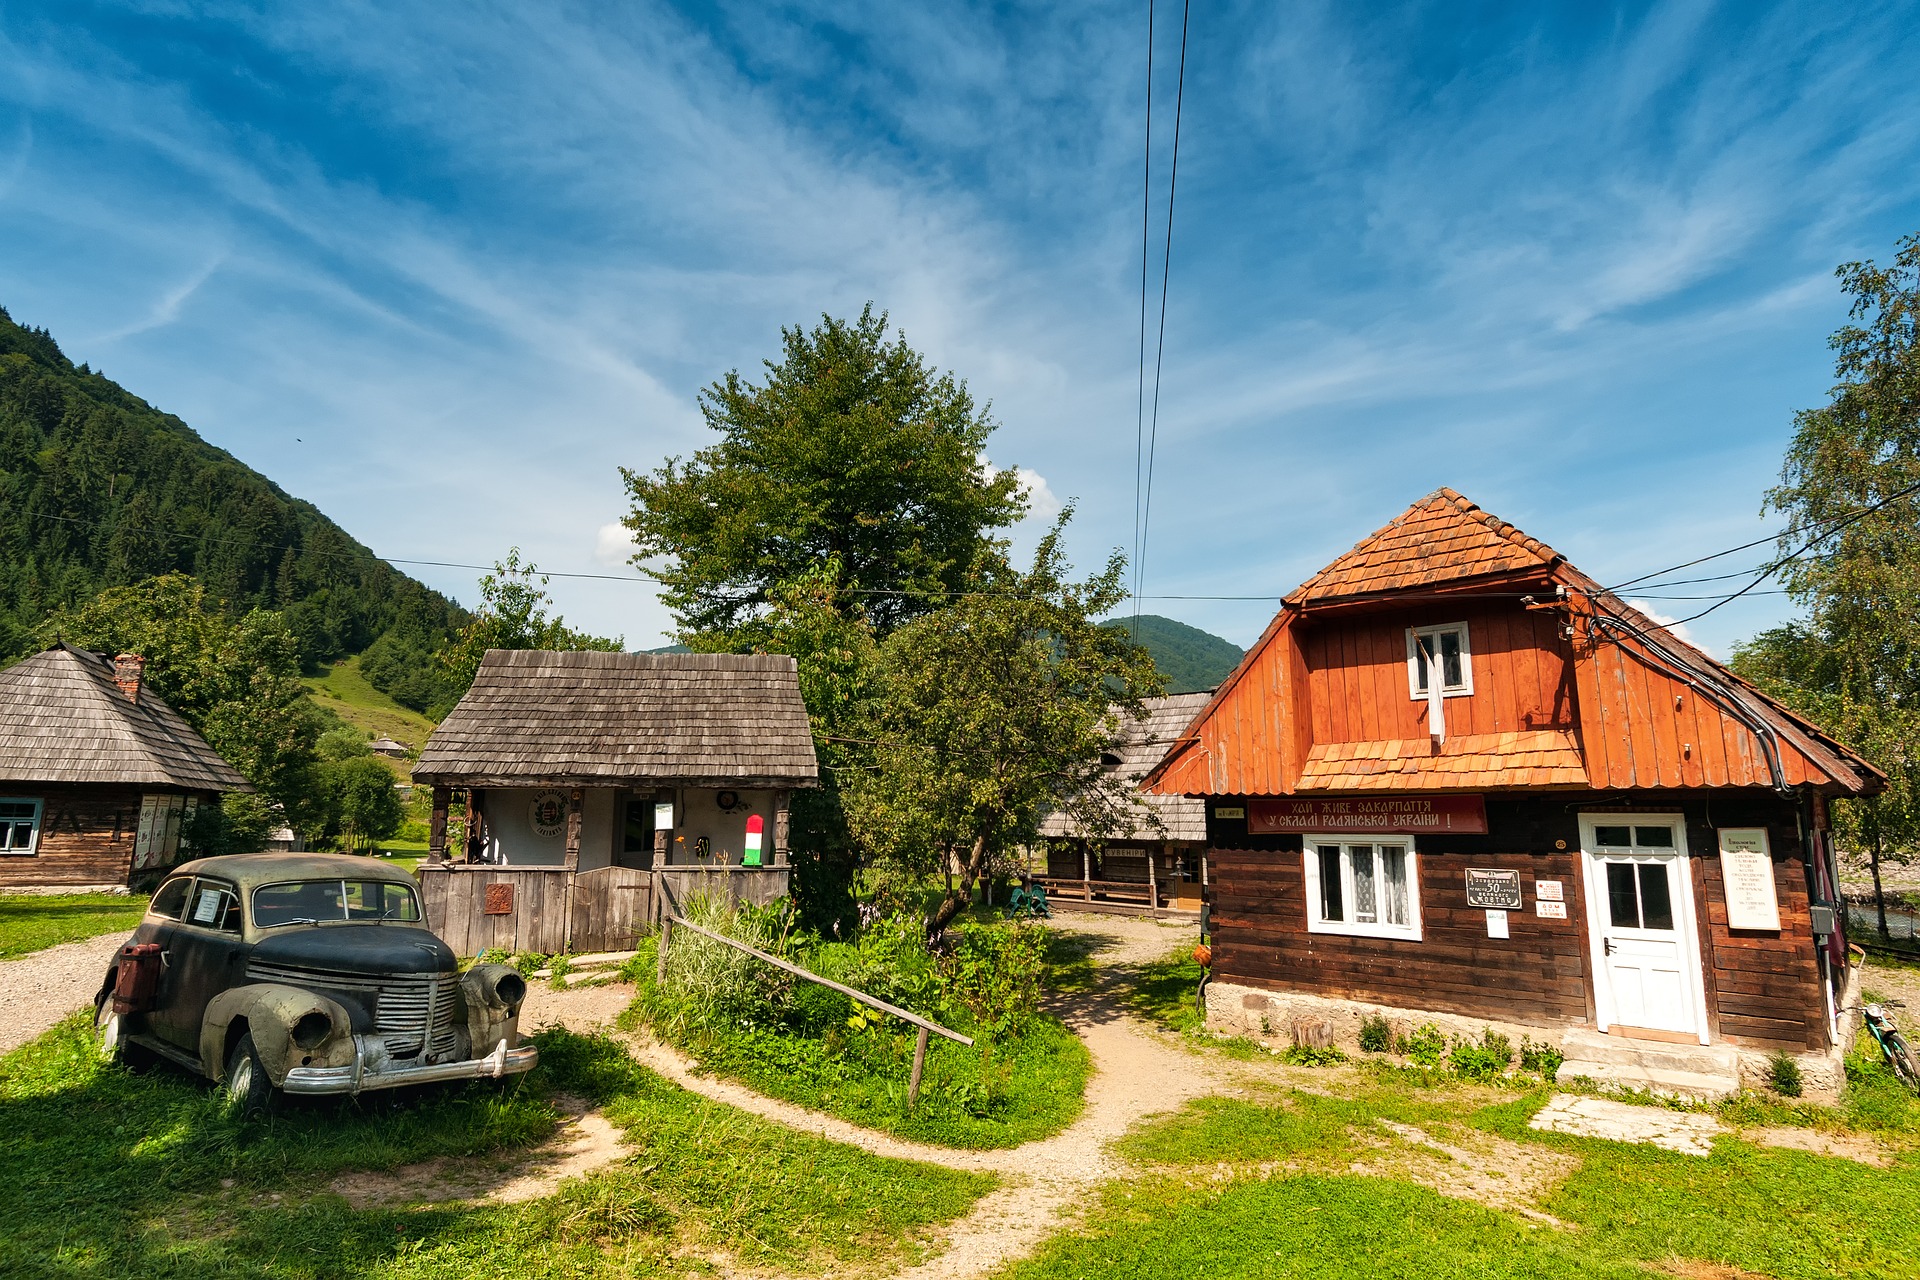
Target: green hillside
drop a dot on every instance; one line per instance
(100, 489)
(1190, 659)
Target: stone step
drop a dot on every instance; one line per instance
(1651, 1055)
(598, 959)
(1700, 1084)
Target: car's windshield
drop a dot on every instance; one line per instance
(318, 901)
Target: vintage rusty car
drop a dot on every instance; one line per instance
(305, 974)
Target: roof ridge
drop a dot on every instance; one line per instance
(1374, 564)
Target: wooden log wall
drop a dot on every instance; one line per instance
(1763, 989)
(86, 836)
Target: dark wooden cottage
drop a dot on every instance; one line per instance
(1458, 781)
(592, 782)
(1150, 867)
(97, 773)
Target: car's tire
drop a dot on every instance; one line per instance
(250, 1091)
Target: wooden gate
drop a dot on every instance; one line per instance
(611, 907)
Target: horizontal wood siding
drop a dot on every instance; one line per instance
(1763, 989)
(86, 836)
(1537, 975)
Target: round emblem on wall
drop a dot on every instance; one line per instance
(547, 814)
(727, 801)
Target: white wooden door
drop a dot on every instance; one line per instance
(1639, 912)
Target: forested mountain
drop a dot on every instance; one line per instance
(100, 489)
(1189, 658)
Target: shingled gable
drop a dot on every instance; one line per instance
(64, 720)
(1142, 743)
(612, 719)
(1251, 738)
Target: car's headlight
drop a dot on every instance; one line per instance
(313, 1030)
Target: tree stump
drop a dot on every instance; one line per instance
(1311, 1033)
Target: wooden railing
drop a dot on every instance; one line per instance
(669, 921)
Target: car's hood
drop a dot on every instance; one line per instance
(357, 948)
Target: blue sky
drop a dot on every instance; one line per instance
(441, 269)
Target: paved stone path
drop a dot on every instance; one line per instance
(1684, 1131)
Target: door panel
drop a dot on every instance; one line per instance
(1642, 946)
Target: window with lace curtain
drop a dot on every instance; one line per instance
(1362, 886)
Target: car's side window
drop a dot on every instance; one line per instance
(215, 906)
(171, 900)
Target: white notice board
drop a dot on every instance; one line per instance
(1746, 872)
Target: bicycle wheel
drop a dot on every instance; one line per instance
(1900, 1055)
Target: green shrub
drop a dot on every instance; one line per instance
(994, 973)
(1426, 1046)
(1484, 1061)
(1786, 1075)
(1375, 1035)
(1301, 1055)
(1542, 1059)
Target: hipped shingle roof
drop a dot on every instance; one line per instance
(616, 719)
(63, 719)
(1141, 745)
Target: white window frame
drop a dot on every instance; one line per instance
(1414, 634)
(32, 848)
(1310, 865)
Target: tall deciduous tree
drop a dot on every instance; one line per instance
(853, 448)
(993, 711)
(513, 615)
(1853, 663)
(236, 681)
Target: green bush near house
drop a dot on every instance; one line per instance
(1023, 1078)
(31, 921)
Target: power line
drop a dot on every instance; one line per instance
(1166, 272)
(1140, 389)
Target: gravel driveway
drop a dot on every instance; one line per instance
(38, 990)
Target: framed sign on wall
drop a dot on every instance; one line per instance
(1746, 875)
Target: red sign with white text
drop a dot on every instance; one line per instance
(1395, 815)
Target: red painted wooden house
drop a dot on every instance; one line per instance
(1457, 781)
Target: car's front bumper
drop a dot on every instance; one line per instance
(359, 1077)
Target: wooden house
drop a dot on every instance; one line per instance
(97, 773)
(1151, 866)
(593, 782)
(1458, 781)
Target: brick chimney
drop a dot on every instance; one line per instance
(127, 669)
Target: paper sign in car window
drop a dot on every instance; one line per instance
(206, 909)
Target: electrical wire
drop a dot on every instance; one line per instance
(1166, 272)
(1140, 389)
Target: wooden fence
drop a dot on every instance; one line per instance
(549, 910)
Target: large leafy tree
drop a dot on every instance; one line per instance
(991, 712)
(854, 449)
(512, 615)
(1853, 662)
(235, 680)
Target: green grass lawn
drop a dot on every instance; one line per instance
(29, 922)
(1238, 1188)
(112, 1172)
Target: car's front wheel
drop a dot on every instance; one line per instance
(250, 1091)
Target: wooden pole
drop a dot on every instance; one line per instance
(782, 827)
(919, 1061)
(661, 835)
(1153, 884)
(437, 828)
(574, 798)
(666, 937)
(1086, 872)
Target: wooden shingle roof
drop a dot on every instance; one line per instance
(618, 719)
(1443, 538)
(1141, 745)
(1468, 761)
(64, 720)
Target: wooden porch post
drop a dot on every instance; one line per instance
(1153, 884)
(661, 835)
(573, 829)
(1086, 872)
(782, 826)
(437, 827)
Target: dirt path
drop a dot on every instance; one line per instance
(1135, 1074)
(38, 990)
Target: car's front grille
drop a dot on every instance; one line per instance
(411, 1011)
